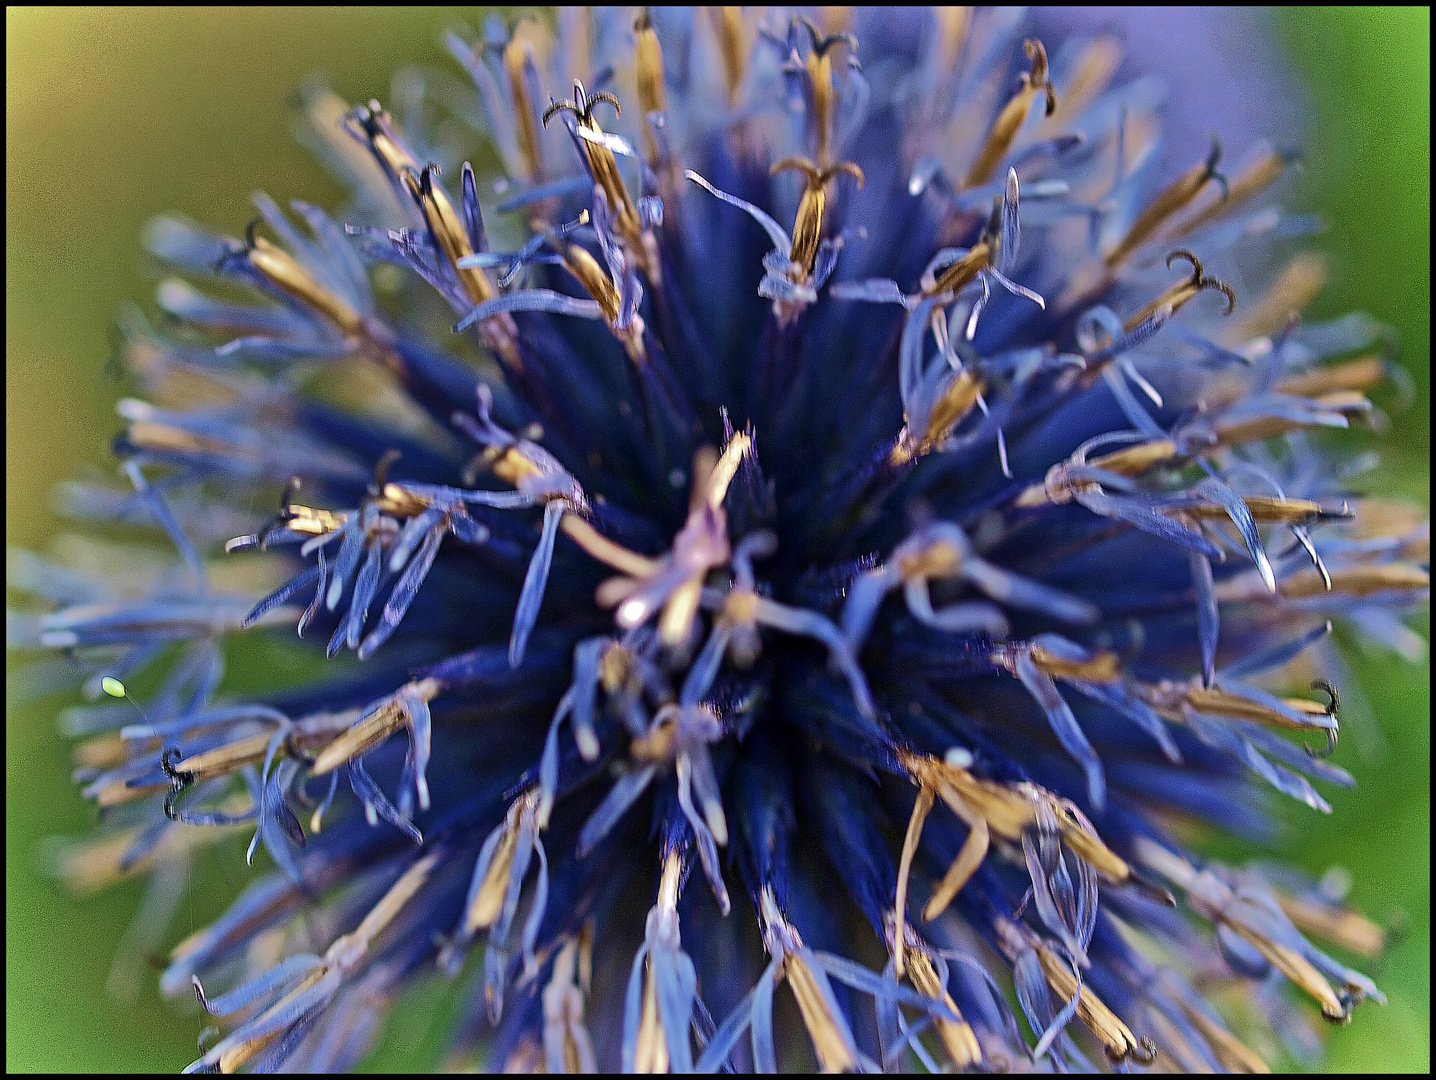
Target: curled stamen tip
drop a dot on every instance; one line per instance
(604, 95)
(1200, 280)
(168, 757)
(1213, 157)
(1183, 253)
(1223, 288)
(822, 44)
(1318, 755)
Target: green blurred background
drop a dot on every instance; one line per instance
(113, 116)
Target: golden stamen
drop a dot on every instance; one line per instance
(149, 434)
(711, 476)
(953, 24)
(96, 862)
(393, 901)
(615, 668)
(819, 63)
(607, 551)
(329, 118)
(732, 44)
(1363, 373)
(651, 1053)
(1170, 200)
(448, 231)
(281, 270)
(834, 1055)
(938, 560)
(1116, 1037)
(920, 809)
(240, 1055)
(517, 56)
(1349, 929)
(958, 275)
(1377, 517)
(957, 400)
(656, 747)
(958, 1038)
(1209, 896)
(740, 607)
(340, 959)
(1297, 968)
(1013, 116)
(678, 612)
(397, 160)
(594, 279)
(1091, 74)
(490, 900)
(1297, 286)
(369, 732)
(808, 223)
(1101, 667)
(602, 164)
(312, 521)
(105, 751)
(1177, 296)
(1008, 811)
(648, 62)
(1220, 703)
(563, 1006)
(716, 488)
(1233, 433)
(512, 467)
(1138, 458)
(225, 759)
(1356, 581)
(1265, 510)
(1233, 1054)
(969, 858)
(1252, 181)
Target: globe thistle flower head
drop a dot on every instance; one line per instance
(868, 515)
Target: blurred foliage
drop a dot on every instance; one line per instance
(114, 115)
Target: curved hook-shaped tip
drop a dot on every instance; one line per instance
(1210, 167)
(1223, 288)
(798, 164)
(1190, 257)
(557, 107)
(604, 95)
(822, 44)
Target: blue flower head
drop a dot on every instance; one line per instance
(888, 502)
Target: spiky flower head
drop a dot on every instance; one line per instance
(782, 516)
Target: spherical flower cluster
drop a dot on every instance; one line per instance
(868, 511)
